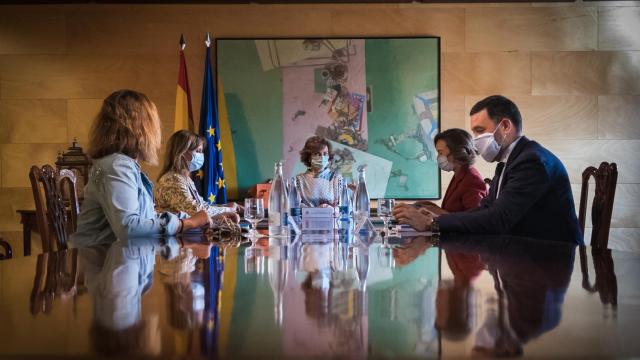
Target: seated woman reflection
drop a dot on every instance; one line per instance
(175, 191)
(457, 298)
(408, 251)
(319, 185)
(117, 277)
(185, 298)
(326, 314)
(118, 198)
(456, 153)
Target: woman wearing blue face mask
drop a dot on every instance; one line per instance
(319, 185)
(456, 153)
(175, 191)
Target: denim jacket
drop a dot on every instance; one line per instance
(118, 204)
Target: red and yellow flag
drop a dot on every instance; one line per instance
(184, 112)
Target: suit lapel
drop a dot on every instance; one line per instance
(517, 150)
(514, 154)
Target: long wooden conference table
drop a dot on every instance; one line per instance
(322, 296)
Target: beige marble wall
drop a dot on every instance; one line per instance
(573, 68)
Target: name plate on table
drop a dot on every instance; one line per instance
(321, 238)
(406, 230)
(318, 212)
(317, 223)
(318, 218)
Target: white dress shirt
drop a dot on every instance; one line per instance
(504, 158)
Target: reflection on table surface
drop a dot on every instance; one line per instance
(322, 295)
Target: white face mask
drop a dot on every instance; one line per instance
(444, 164)
(487, 146)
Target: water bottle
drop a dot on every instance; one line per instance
(278, 204)
(345, 231)
(362, 205)
(344, 203)
(278, 271)
(344, 206)
(361, 255)
(294, 202)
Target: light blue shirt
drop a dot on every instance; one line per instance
(118, 204)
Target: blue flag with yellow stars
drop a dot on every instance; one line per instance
(213, 187)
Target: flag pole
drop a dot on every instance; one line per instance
(182, 43)
(184, 112)
(207, 39)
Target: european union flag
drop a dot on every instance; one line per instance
(213, 187)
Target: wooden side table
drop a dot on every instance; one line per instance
(29, 224)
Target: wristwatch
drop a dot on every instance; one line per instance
(435, 227)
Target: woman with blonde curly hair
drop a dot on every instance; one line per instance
(118, 201)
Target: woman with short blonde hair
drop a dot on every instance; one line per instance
(175, 191)
(118, 201)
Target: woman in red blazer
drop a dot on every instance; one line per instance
(456, 153)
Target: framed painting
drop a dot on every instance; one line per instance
(377, 100)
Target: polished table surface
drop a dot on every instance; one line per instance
(322, 296)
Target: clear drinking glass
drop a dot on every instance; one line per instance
(253, 213)
(385, 207)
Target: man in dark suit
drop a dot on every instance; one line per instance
(530, 194)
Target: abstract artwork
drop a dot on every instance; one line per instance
(377, 100)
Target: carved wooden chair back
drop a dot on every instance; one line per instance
(56, 214)
(605, 177)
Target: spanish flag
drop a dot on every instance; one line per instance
(184, 112)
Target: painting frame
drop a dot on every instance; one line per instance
(281, 62)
